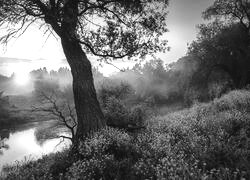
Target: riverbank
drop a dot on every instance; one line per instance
(23, 146)
(19, 112)
(206, 141)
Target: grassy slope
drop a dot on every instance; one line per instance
(207, 141)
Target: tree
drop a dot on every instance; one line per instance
(109, 29)
(224, 47)
(234, 11)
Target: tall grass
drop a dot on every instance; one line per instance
(207, 141)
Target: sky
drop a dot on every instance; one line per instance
(33, 50)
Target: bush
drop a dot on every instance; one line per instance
(238, 99)
(104, 156)
(117, 114)
(48, 167)
(30, 169)
(114, 154)
(113, 89)
(138, 115)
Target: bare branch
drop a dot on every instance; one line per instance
(122, 70)
(50, 106)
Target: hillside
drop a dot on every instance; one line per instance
(207, 141)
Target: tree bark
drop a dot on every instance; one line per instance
(89, 114)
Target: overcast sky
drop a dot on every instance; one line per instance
(183, 17)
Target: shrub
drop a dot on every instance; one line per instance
(117, 114)
(113, 89)
(29, 170)
(48, 167)
(114, 154)
(238, 99)
(138, 115)
(103, 156)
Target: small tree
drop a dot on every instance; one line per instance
(109, 29)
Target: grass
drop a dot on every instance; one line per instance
(207, 141)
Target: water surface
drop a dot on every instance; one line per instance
(23, 145)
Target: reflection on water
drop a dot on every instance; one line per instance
(23, 144)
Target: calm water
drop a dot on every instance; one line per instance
(23, 144)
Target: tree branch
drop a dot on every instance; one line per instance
(107, 54)
(68, 121)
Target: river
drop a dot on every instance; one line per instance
(23, 146)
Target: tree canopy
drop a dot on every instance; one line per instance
(230, 10)
(223, 43)
(107, 28)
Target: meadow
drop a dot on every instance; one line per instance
(206, 141)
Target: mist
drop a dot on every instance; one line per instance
(153, 79)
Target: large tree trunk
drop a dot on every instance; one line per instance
(89, 114)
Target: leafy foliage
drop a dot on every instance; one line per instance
(125, 28)
(113, 89)
(221, 52)
(118, 111)
(232, 10)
